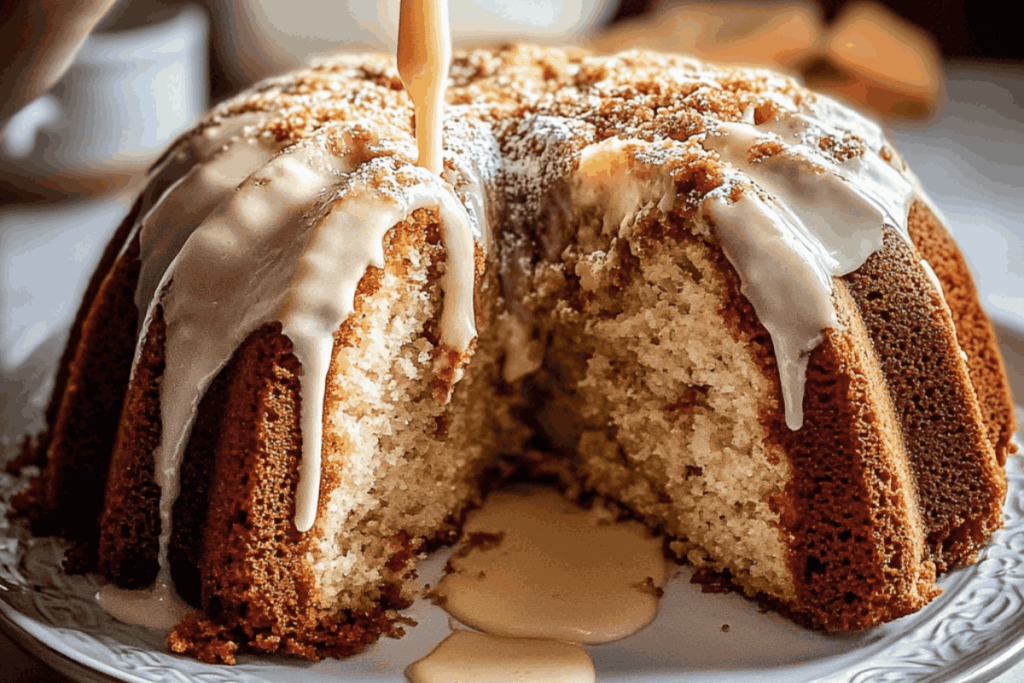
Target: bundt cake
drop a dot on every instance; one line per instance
(705, 293)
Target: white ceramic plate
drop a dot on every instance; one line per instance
(971, 633)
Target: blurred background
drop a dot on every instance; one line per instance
(255, 37)
(945, 77)
(93, 129)
(959, 27)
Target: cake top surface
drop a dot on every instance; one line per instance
(518, 119)
(526, 93)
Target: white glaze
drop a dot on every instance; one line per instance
(189, 201)
(158, 608)
(802, 219)
(480, 658)
(345, 242)
(559, 572)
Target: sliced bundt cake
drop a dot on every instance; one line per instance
(705, 293)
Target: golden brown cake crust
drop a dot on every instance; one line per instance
(845, 487)
(83, 414)
(959, 482)
(973, 328)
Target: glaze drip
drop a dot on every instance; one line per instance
(279, 237)
(192, 198)
(347, 240)
(802, 216)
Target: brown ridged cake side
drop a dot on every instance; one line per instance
(67, 497)
(130, 523)
(91, 382)
(856, 546)
(973, 328)
(233, 526)
(259, 591)
(855, 542)
(960, 484)
(165, 171)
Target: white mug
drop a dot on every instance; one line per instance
(125, 97)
